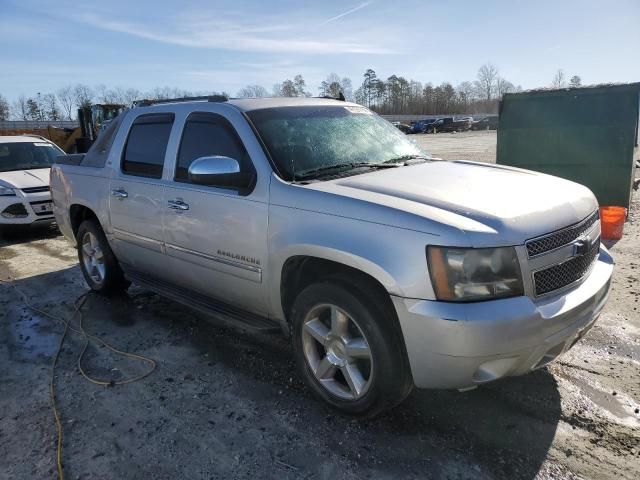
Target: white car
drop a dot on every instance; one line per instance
(25, 196)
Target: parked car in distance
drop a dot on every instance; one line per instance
(486, 123)
(449, 124)
(406, 129)
(388, 268)
(25, 162)
(420, 126)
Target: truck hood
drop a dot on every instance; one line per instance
(491, 203)
(25, 178)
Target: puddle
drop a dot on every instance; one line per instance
(604, 400)
(30, 338)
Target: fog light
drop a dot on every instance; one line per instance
(16, 210)
(494, 369)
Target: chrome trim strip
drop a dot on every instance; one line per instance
(569, 285)
(224, 261)
(560, 254)
(556, 232)
(139, 237)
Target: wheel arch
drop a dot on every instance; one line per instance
(78, 213)
(302, 269)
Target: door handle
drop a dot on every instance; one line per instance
(178, 205)
(119, 193)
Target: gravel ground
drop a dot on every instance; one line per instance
(229, 404)
(480, 145)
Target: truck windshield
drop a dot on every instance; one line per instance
(27, 155)
(308, 139)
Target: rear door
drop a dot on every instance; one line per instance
(136, 194)
(217, 242)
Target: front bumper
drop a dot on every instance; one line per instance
(27, 206)
(461, 345)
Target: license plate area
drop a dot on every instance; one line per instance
(42, 208)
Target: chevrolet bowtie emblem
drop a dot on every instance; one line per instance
(581, 247)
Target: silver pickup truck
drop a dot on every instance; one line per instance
(387, 267)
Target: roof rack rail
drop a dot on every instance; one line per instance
(209, 98)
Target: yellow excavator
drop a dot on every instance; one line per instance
(93, 119)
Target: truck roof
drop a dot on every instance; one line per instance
(248, 104)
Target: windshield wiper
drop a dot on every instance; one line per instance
(404, 158)
(316, 172)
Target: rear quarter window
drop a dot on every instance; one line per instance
(146, 145)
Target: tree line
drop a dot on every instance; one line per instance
(393, 95)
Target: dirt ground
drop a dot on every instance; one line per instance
(480, 145)
(229, 404)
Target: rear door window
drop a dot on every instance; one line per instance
(146, 145)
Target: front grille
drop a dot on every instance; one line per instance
(558, 276)
(36, 189)
(560, 238)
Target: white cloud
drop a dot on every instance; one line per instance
(220, 34)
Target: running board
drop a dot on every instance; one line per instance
(228, 314)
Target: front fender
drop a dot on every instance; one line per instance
(395, 257)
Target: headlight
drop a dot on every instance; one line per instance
(7, 192)
(468, 274)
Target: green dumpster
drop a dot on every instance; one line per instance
(588, 135)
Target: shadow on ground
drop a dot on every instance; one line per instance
(227, 403)
(16, 234)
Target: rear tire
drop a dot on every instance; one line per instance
(98, 263)
(349, 348)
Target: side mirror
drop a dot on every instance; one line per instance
(217, 171)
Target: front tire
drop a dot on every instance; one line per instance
(97, 261)
(349, 349)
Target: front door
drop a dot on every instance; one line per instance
(216, 237)
(136, 195)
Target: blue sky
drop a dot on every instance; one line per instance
(223, 45)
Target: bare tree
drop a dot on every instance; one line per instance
(504, 86)
(575, 81)
(487, 78)
(67, 101)
(559, 80)
(347, 88)
(49, 107)
(331, 87)
(253, 91)
(20, 110)
(82, 96)
(466, 92)
(102, 93)
(165, 93)
(4, 108)
(130, 95)
(159, 93)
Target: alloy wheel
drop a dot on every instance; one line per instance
(93, 258)
(337, 352)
